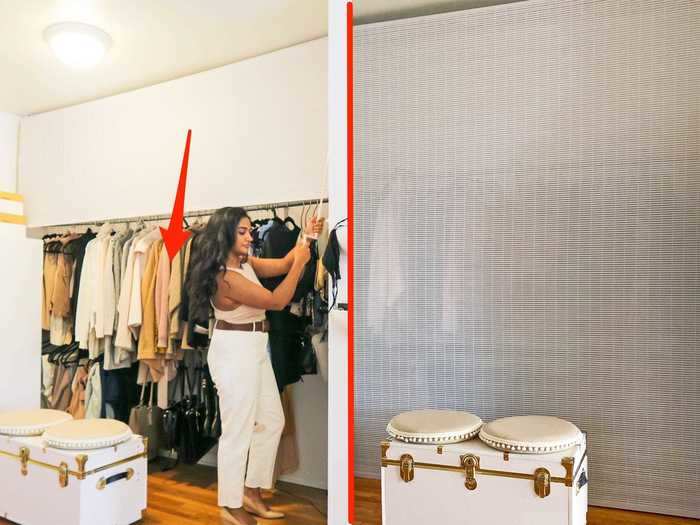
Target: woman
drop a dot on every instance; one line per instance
(222, 275)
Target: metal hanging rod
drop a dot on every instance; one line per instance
(199, 213)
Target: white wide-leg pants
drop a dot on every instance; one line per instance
(251, 412)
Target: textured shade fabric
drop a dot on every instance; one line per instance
(527, 230)
(87, 434)
(531, 434)
(31, 422)
(434, 426)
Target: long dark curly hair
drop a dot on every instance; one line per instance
(209, 255)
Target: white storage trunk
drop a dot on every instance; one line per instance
(42, 485)
(470, 482)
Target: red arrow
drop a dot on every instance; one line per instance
(174, 237)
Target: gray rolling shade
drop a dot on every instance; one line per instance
(527, 230)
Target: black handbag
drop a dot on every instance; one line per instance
(172, 419)
(195, 444)
(307, 357)
(209, 406)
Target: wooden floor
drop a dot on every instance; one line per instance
(187, 496)
(368, 510)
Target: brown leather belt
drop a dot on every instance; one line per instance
(257, 326)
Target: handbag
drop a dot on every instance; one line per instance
(195, 444)
(172, 418)
(307, 357)
(209, 405)
(147, 421)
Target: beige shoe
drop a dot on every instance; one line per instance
(265, 514)
(231, 519)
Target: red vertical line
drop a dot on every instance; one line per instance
(351, 303)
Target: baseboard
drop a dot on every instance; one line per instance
(611, 504)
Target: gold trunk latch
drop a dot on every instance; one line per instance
(470, 462)
(406, 468)
(63, 475)
(542, 482)
(24, 459)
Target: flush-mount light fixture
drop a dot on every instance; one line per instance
(76, 44)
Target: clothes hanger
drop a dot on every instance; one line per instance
(73, 355)
(265, 220)
(138, 226)
(105, 229)
(304, 211)
(199, 224)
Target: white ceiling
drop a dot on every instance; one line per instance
(154, 41)
(159, 40)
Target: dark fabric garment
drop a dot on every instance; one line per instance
(196, 339)
(76, 249)
(279, 241)
(53, 247)
(331, 260)
(103, 380)
(184, 311)
(120, 391)
(287, 332)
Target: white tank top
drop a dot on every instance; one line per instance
(241, 314)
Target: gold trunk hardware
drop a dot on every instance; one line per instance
(81, 459)
(63, 475)
(384, 446)
(24, 459)
(470, 466)
(470, 462)
(568, 464)
(439, 449)
(542, 486)
(406, 467)
(63, 469)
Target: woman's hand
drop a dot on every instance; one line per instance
(314, 227)
(302, 254)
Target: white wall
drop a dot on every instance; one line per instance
(338, 320)
(259, 134)
(9, 130)
(310, 407)
(20, 319)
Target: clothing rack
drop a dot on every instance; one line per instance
(200, 213)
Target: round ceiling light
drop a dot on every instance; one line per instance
(76, 44)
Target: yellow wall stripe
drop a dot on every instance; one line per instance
(11, 196)
(14, 219)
